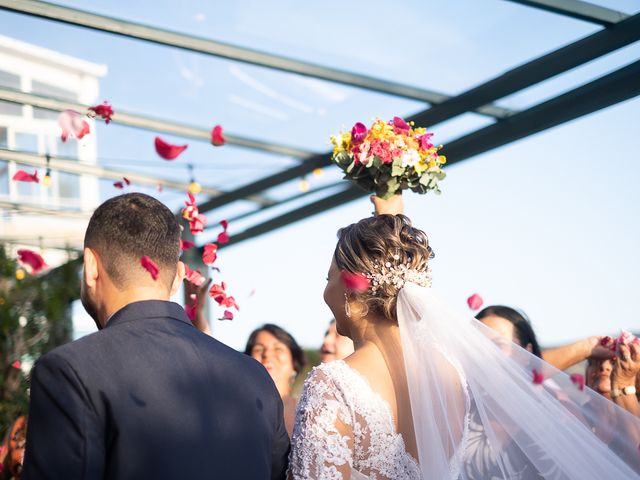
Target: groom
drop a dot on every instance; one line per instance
(148, 396)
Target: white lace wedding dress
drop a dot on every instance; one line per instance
(344, 429)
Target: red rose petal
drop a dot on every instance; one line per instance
(538, 377)
(126, 181)
(31, 258)
(209, 255)
(118, 185)
(475, 301)
(578, 380)
(227, 315)
(103, 110)
(223, 238)
(71, 123)
(168, 151)
(197, 224)
(16, 364)
(217, 136)
(150, 267)
(186, 245)
(192, 308)
(225, 224)
(193, 276)
(22, 176)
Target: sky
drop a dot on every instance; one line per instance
(548, 224)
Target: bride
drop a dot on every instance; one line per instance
(432, 394)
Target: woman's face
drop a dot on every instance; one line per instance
(502, 326)
(275, 356)
(335, 346)
(334, 297)
(599, 375)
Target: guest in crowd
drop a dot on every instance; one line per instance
(516, 327)
(335, 346)
(283, 358)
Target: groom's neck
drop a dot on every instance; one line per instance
(119, 299)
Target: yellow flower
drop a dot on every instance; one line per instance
(442, 159)
(421, 166)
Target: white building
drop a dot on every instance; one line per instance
(34, 69)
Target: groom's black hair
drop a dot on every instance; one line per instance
(127, 227)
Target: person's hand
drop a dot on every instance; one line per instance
(199, 321)
(391, 206)
(626, 365)
(595, 349)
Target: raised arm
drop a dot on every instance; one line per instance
(568, 355)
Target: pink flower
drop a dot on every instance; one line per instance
(22, 176)
(71, 123)
(104, 110)
(578, 380)
(150, 267)
(209, 255)
(358, 133)
(355, 282)
(475, 301)
(400, 124)
(381, 150)
(168, 151)
(424, 141)
(31, 258)
(538, 377)
(217, 136)
(193, 276)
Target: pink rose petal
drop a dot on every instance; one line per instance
(31, 258)
(217, 136)
(209, 255)
(22, 176)
(578, 380)
(168, 151)
(72, 123)
(538, 377)
(227, 315)
(475, 301)
(150, 267)
(356, 282)
(16, 365)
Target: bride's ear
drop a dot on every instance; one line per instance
(177, 280)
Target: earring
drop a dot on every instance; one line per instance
(347, 307)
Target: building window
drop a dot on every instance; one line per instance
(46, 90)
(9, 80)
(68, 186)
(8, 108)
(4, 166)
(68, 149)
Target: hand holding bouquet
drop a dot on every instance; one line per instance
(389, 157)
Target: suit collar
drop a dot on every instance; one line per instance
(148, 309)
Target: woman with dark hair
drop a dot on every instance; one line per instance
(283, 358)
(514, 325)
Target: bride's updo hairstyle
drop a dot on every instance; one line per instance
(383, 241)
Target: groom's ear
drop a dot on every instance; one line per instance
(177, 281)
(90, 263)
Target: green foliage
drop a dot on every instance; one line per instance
(34, 318)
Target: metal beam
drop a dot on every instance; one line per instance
(535, 71)
(73, 166)
(578, 9)
(40, 210)
(542, 68)
(153, 124)
(206, 46)
(608, 90)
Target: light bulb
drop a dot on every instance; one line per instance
(318, 172)
(304, 185)
(20, 274)
(195, 187)
(46, 180)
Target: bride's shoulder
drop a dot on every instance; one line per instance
(331, 376)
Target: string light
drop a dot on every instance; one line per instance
(318, 172)
(304, 185)
(46, 180)
(20, 274)
(194, 187)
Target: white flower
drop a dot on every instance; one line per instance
(410, 158)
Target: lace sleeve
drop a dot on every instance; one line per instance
(322, 442)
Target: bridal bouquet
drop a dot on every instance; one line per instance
(389, 157)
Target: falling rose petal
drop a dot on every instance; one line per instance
(71, 123)
(229, 302)
(118, 185)
(400, 124)
(150, 267)
(160, 187)
(103, 110)
(625, 338)
(356, 282)
(186, 245)
(475, 301)
(224, 223)
(22, 176)
(196, 225)
(168, 151)
(608, 342)
(192, 308)
(358, 133)
(538, 377)
(31, 258)
(126, 181)
(223, 238)
(210, 255)
(217, 136)
(578, 380)
(193, 276)
(227, 315)
(16, 365)
(252, 292)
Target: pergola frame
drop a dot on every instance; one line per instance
(619, 30)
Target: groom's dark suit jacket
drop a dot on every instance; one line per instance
(151, 397)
